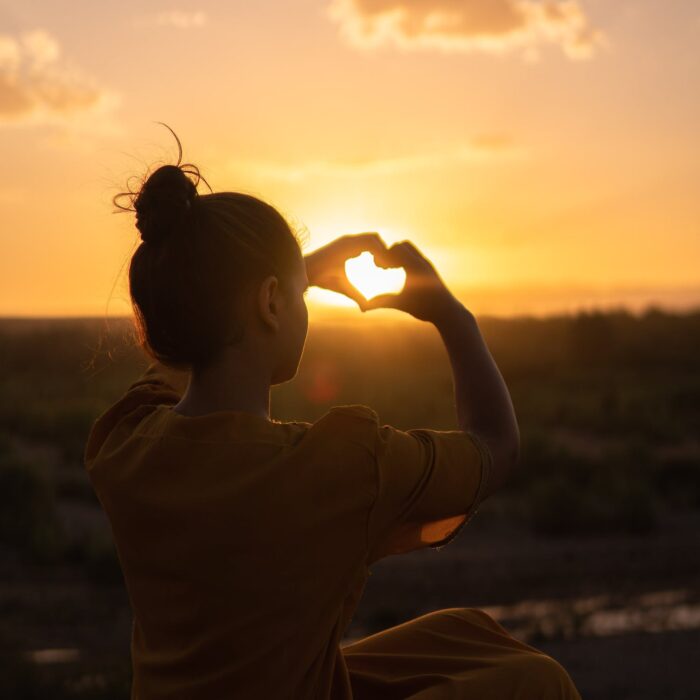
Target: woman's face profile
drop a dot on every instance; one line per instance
(294, 324)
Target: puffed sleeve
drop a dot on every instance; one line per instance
(158, 378)
(157, 384)
(429, 484)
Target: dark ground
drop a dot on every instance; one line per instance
(610, 610)
(592, 556)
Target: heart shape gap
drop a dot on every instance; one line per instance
(371, 280)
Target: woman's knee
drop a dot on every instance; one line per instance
(539, 675)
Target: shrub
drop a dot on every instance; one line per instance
(98, 555)
(28, 519)
(678, 481)
(606, 503)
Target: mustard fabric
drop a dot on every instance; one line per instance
(450, 654)
(245, 545)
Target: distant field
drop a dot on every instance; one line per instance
(593, 549)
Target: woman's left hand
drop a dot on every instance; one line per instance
(325, 267)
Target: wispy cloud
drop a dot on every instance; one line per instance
(495, 26)
(37, 86)
(484, 147)
(179, 19)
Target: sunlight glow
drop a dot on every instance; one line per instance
(325, 297)
(449, 133)
(372, 280)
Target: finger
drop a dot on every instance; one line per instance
(398, 255)
(344, 286)
(408, 245)
(354, 244)
(411, 250)
(422, 260)
(383, 301)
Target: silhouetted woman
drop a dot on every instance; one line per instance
(246, 542)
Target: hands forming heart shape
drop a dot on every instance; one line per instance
(347, 266)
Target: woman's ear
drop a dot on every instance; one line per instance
(269, 302)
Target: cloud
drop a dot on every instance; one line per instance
(484, 147)
(38, 87)
(180, 19)
(495, 26)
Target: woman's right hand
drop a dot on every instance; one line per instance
(424, 295)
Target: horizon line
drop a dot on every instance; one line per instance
(350, 314)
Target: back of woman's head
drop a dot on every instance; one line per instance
(200, 258)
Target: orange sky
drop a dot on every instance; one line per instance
(544, 154)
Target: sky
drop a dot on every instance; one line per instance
(543, 154)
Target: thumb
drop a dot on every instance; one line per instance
(344, 286)
(382, 301)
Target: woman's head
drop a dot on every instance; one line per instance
(211, 270)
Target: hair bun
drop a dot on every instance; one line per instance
(164, 203)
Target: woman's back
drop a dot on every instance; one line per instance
(245, 543)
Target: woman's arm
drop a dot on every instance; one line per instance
(483, 402)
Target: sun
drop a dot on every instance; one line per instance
(372, 280)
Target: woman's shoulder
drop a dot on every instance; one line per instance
(355, 410)
(350, 418)
(345, 425)
(156, 386)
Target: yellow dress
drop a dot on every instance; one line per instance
(246, 545)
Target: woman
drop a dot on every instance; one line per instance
(246, 542)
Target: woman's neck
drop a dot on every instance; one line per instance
(239, 381)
